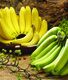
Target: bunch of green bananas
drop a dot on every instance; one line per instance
(51, 54)
(28, 22)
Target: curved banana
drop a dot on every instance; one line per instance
(51, 32)
(49, 59)
(28, 19)
(22, 20)
(35, 18)
(39, 25)
(50, 67)
(27, 38)
(64, 70)
(14, 20)
(43, 29)
(7, 19)
(43, 45)
(34, 40)
(5, 41)
(5, 32)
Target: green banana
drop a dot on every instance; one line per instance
(46, 50)
(64, 70)
(50, 67)
(52, 31)
(47, 60)
(63, 59)
(43, 45)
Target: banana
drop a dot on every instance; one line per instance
(52, 31)
(14, 20)
(43, 45)
(22, 20)
(40, 21)
(4, 41)
(63, 59)
(25, 39)
(28, 19)
(64, 70)
(49, 59)
(6, 17)
(5, 32)
(35, 18)
(46, 50)
(50, 67)
(34, 40)
(43, 28)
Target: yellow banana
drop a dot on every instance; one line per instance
(35, 18)
(34, 40)
(22, 19)
(6, 33)
(43, 28)
(6, 17)
(28, 19)
(27, 38)
(39, 25)
(14, 20)
(4, 41)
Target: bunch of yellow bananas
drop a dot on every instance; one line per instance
(28, 22)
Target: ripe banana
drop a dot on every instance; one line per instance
(50, 67)
(63, 59)
(25, 39)
(28, 19)
(46, 50)
(14, 20)
(52, 31)
(64, 70)
(5, 32)
(34, 40)
(35, 18)
(6, 17)
(39, 24)
(43, 45)
(43, 28)
(22, 20)
(4, 41)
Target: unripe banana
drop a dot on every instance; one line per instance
(22, 21)
(50, 67)
(28, 19)
(49, 59)
(35, 18)
(43, 45)
(64, 70)
(51, 32)
(14, 20)
(46, 50)
(43, 29)
(63, 59)
(34, 40)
